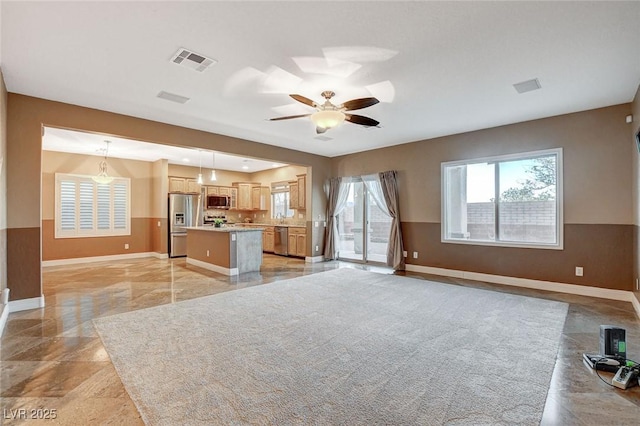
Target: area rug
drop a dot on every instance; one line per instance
(344, 347)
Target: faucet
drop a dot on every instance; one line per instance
(280, 218)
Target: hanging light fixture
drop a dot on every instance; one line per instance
(200, 180)
(213, 168)
(102, 176)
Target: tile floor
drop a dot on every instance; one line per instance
(52, 359)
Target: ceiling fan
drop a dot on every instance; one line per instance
(328, 115)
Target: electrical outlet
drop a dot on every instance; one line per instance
(207, 253)
(404, 253)
(316, 223)
(317, 248)
(126, 246)
(159, 225)
(579, 271)
(415, 254)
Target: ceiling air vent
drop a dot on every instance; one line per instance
(527, 86)
(192, 60)
(173, 97)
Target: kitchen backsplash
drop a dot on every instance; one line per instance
(260, 217)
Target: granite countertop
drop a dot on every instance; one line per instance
(211, 228)
(239, 224)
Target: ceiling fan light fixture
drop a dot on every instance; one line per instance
(327, 119)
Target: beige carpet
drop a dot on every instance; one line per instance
(345, 347)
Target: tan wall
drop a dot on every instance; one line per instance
(140, 172)
(597, 188)
(159, 207)
(635, 158)
(25, 118)
(3, 186)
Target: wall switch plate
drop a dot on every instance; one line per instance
(126, 246)
(415, 254)
(316, 224)
(579, 271)
(404, 253)
(207, 253)
(159, 225)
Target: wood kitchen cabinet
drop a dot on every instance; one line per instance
(297, 193)
(297, 242)
(212, 190)
(233, 198)
(177, 184)
(293, 195)
(192, 186)
(268, 236)
(224, 190)
(244, 195)
(302, 190)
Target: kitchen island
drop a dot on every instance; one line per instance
(227, 250)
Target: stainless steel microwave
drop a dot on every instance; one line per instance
(218, 202)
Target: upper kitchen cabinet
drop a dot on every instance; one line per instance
(183, 185)
(177, 184)
(260, 196)
(302, 192)
(297, 193)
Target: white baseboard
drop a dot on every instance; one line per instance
(61, 262)
(314, 259)
(160, 255)
(582, 290)
(26, 304)
(212, 267)
(3, 318)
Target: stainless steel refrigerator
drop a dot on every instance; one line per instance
(184, 210)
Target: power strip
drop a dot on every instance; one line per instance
(625, 377)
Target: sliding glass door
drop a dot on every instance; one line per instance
(363, 227)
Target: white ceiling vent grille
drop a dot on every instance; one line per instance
(192, 60)
(527, 86)
(173, 97)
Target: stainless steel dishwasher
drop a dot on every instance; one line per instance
(281, 240)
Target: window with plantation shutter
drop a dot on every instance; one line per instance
(85, 208)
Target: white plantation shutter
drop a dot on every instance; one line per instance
(85, 208)
(67, 205)
(120, 205)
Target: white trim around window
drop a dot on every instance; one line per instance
(85, 208)
(480, 198)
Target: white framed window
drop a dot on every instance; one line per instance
(280, 200)
(511, 200)
(85, 208)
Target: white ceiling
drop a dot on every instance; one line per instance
(439, 68)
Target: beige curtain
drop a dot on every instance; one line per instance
(338, 193)
(389, 184)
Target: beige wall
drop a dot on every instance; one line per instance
(635, 158)
(25, 119)
(141, 174)
(3, 186)
(598, 211)
(143, 194)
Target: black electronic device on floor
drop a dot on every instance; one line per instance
(598, 362)
(613, 342)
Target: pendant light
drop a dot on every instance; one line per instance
(102, 176)
(200, 180)
(213, 168)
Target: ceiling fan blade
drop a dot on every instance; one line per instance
(359, 119)
(289, 117)
(321, 130)
(304, 100)
(359, 103)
